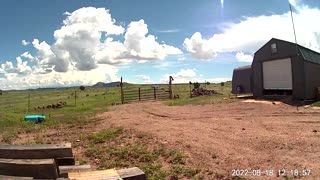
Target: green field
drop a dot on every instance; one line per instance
(14, 105)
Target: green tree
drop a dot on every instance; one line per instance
(196, 85)
(82, 88)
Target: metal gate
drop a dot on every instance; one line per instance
(134, 93)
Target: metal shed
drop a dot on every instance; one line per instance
(284, 68)
(241, 80)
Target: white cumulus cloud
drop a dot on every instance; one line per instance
(182, 76)
(251, 33)
(25, 43)
(104, 73)
(145, 79)
(141, 46)
(79, 42)
(200, 48)
(244, 57)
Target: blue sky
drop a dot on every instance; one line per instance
(59, 43)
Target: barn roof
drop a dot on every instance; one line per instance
(310, 55)
(307, 54)
(243, 67)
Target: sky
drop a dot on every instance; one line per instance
(81, 42)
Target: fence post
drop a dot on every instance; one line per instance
(170, 87)
(75, 98)
(154, 93)
(121, 91)
(29, 102)
(139, 94)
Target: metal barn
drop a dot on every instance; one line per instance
(241, 80)
(284, 68)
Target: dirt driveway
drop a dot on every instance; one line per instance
(242, 135)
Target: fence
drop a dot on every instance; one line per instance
(185, 90)
(49, 99)
(134, 93)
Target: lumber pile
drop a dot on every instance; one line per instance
(203, 92)
(53, 161)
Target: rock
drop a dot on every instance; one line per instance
(314, 131)
(78, 140)
(243, 129)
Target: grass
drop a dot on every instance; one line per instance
(104, 135)
(317, 104)
(183, 91)
(14, 104)
(125, 148)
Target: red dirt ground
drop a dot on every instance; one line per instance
(242, 135)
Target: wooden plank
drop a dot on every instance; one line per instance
(36, 168)
(36, 151)
(133, 173)
(15, 178)
(65, 161)
(96, 175)
(64, 170)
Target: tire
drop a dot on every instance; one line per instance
(239, 89)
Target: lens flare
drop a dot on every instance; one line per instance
(222, 3)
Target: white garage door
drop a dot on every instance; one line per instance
(277, 74)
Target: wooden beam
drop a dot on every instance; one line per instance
(132, 174)
(64, 170)
(65, 161)
(15, 178)
(96, 175)
(36, 151)
(36, 168)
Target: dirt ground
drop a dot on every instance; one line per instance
(252, 135)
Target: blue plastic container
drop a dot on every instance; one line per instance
(35, 118)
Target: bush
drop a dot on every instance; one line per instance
(196, 85)
(82, 88)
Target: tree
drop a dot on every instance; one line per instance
(0, 92)
(222, 83)
(82, 88)
(208, 83)
(196, 85)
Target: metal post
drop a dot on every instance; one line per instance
(139, 94)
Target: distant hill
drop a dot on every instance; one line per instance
(111, 84)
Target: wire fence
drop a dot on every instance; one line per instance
(39, 100)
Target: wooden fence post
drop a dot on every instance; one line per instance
(139, 94)
(121, 91)
(29, 102)
(75, 98)
(170, 87)
(154, 93)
